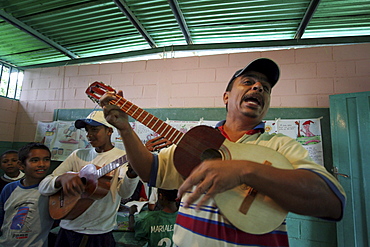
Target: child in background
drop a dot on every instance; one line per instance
(157, 226)
(153, 204)
(9, 164)
(24, 212)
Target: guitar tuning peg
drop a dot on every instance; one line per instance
(93, 99)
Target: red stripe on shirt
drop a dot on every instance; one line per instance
(231, 234)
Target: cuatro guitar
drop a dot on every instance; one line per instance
(97, 185)
(246, 208)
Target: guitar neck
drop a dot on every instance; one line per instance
(112, 166)
(150, 121)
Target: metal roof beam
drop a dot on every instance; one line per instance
(121, 4)
(235, 45)
(181, 20)
(20, 25)
(306, 18)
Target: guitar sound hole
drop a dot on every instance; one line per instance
(210, 154)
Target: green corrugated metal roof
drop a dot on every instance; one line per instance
(38, 33)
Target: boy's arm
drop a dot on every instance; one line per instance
(5, 194)
(46, 186)
(2, 212)
(131, 218)
(128, 183)
(53, 182)
(70, 182)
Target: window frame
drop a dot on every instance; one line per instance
(11, 87)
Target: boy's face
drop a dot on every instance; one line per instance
(98, 136)
(36, 165)
(9, 163)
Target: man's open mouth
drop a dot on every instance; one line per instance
(252, 100)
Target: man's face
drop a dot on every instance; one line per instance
(249, 96)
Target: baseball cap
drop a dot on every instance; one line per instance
(263, 65)
(95, 118)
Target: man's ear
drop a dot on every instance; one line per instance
(110, 131)
(226, 97)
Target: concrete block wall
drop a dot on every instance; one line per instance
(8, 116)
(308, 77)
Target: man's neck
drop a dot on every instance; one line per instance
(170, 208)
(236, 129)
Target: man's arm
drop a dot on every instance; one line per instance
(308, 189)
(137, 154)
(299, 191)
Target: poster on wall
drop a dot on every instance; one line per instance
(62, 137)
(307, 132)
(270, 126)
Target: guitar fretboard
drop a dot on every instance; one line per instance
(149, 120)
(97, 89)
(111, 166)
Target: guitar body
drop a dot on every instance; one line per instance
(247, 209)
(67, 207)
(70, 207)
(199, 143)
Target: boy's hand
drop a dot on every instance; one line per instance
(71, 183)
(157, 143)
